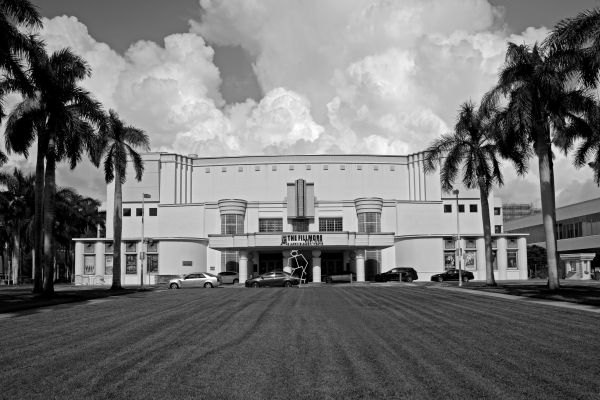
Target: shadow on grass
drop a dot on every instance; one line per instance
(581, 294)
(19, 299)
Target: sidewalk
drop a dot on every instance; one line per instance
(18, 298)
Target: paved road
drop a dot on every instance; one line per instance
(316, 342)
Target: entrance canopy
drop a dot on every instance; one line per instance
(302, 240)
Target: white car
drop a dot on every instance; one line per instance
(198, 279)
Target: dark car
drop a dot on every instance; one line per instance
(452, 275)
(405, 274)
(273, 278)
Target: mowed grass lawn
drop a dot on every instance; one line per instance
(343, 342)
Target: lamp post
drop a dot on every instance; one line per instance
(142, 252)
(459, 257)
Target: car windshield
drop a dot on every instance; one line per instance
(209, 274)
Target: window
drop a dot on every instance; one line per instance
(153, 212)
(511, 259)
(471, 259)
(89, 265)
(375, 167)
(330, 224)
(230, 261)
(300, 225)
(89, 248)
(461, 208)
(152, 259)
(447, 208)
(127, 212)
(369, 222)
(270, 225)
(473, 208)
(138, 212)
(207, 170)
(108, 264)
(497, 228)
(232, 224)
(497, 210)
(131, 264)
(449, 260)
(130, 247)
(470, 244)
(109, 248)
(449, 244)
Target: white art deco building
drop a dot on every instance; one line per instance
(359, 213)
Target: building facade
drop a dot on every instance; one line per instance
(578, 237)
(360, 213)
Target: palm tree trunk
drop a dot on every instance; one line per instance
(546, 171)
(487, 235)
(117, 231)
(15, 257)
(38, 231)
(49, 211)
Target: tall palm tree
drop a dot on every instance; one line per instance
(118, 143)
(58, 114)
(15, 46)
(470, 150)
(542, 105)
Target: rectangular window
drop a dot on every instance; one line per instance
(131, 264)
(470, 244)
(270, 225)
(207, 170)
(109, 248)
(473, 208)
(392, 167)
(230, 261)
(342, 167)
(470, 260)
(127, 212)
(152, 264)
(447, 208)
(300, 225)
(130, 247)
(497, 228)
(449, 244)
(495, 260)
(153, 211)
(369, 222)
(449, 260)
(375, 167)
(232, 224)
(461, 208)
(152, 247)
(257, 167)
(89, 265)
(359, 167)
(511, 259)
(330, 224)
(497, 210)
(89, 248)
(108, 264)
(138, 212)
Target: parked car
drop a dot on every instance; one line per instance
(405, 274)
(228, 277)
(198, 279)
(273, 278)
(341, 277)
(452, 275)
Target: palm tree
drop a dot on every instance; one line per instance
(542, 106)
(117, 144)
(471, 149)
(58, 115)
(14, 44)
(17, 213)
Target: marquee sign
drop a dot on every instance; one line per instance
(301, 240)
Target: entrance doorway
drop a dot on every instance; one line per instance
(332, 263)
(270, 262)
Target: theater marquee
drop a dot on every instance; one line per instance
(301, 240)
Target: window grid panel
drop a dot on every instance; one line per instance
(270, 225)
(330, 224)
(369, 223)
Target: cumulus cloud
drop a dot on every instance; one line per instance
(352, 76)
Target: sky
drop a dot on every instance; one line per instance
(245, 77)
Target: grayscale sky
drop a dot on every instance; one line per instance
(242, 77)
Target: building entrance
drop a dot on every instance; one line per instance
(332, 263)
(270, 262)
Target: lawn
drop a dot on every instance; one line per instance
(328, 342)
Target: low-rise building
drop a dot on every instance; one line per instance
(360, 213)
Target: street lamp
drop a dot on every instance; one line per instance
(459, 257)
(142, 252)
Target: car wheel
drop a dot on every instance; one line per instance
(440, 279)
(409, 279)
(235, 281)
(173, 286)
(287, 284)
(255, 284)
(208, 285)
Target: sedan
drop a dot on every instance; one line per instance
(452, 275)
(228, 277)
(199, 279)
(274, 278)
(405, 274)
